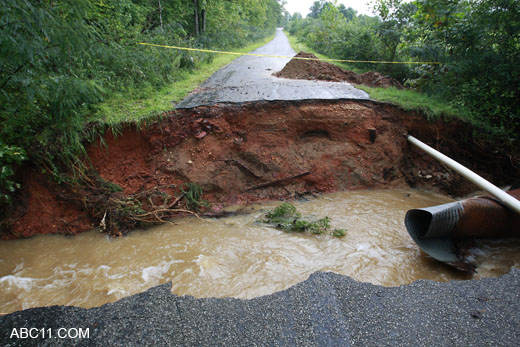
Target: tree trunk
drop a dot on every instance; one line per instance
(203, 20)
(160, 16)
(196, 16)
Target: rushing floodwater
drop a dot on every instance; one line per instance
(233, 256)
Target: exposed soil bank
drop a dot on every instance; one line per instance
(230, 149)
(319, 70)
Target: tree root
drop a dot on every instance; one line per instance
(118, 213)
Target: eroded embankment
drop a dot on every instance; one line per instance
(231, 149)
(313, 69)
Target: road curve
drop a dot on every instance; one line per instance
(250, 78)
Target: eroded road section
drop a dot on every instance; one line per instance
(250, 78)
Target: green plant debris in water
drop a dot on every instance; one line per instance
(287, 218)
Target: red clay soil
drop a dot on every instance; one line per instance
(318, 70)
(40, 210)
(230, 149)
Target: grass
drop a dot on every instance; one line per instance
(407, 99)
(193, 193)
(411, 100)
(300, 46)
(137, 105)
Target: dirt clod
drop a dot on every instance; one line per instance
(323, 71)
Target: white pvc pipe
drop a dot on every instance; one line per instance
(498, 193)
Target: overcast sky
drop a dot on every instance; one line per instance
(303, 6)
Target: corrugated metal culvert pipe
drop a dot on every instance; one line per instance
(436, 229)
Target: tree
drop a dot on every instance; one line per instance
(315, 9)
(296, 16)
(348, 13)
(199, 18)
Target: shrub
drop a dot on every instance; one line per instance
(10, 157)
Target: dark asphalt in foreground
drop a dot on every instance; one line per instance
(326, 310)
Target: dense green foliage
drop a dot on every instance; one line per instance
(476, 42)
(9, 156)
(60, 59)
(287, 218)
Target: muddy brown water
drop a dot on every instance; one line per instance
(235, 256)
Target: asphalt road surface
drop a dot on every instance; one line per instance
(250, 78)
(325, 310)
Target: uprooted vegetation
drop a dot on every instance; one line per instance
(287, 218)
(240, 154)
(116, 212)
(120, 213)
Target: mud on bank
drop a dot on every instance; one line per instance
(319, 70)
(241, 154)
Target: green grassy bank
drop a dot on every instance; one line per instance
(137, 105)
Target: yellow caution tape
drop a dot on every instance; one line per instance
(287, 57)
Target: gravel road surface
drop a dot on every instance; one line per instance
(250, 78)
